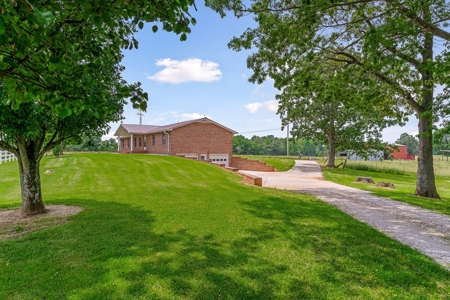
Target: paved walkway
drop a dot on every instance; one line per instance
(426, 231)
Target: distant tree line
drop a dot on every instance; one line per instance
(271, 145)
(93, 143)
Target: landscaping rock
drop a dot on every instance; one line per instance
(364, 180)
(387, 185)
(48, 172)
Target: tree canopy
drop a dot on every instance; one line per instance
(60, 73)
(324, 103)
(392, 41)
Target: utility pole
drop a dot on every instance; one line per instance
(287, 141)
(140, 114)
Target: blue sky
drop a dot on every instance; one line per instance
(202, 77)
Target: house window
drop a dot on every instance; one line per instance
(140, 141)
(153, 140)
(128, 143)
(135, 142)
(123, 143)
(145, 141)
(163, 138)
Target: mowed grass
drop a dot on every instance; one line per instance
(280, 163)
(156, 227)
(405, 186)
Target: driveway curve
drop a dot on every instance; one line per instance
(421, 229)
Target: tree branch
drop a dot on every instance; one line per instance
(5, 146)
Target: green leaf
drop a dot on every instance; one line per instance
(141, 25)
(15, 106)
(9, 83)
(3, 65)
(155, 28)
(52, 67)
(167, 27)
(98, 21)
(3, 39)
(193, 21)
(10, 61)
(64, 112)
(2, 26)
(43, 16)
(183, 37)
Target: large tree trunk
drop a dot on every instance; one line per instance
(425, 184)
(30, 180)
(332, 153)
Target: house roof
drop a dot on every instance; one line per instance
(127, 129)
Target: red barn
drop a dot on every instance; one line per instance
(401, 153)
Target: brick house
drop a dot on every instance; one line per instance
(201, 139)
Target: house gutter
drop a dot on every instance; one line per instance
(168, 140)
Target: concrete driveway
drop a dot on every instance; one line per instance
(424, 230)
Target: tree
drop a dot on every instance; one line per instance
(108, 146)
(57, 151)
(410, 142)
(60, 73)
(323, 104)
(391, 40)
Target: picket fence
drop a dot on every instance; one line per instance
(6, 156)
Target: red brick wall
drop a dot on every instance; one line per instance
(201, 138)
(124, 148)
(158, 148)
(253, 165)
(137, 147)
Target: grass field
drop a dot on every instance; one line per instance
(280, 163)
(156, 227)
(441, 167)
(405, 186)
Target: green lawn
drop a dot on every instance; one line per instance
(157, 227)
(280, 163)
(405, 186)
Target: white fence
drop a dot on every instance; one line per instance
(6, 156)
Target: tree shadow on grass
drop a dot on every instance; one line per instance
(296, 249)
(111, 250)
(345, 252)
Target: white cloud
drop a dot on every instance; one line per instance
(253, 107)
(271, 105)
(191, 69)
(193, 116)
(244, 76)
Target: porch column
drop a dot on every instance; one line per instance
(132, 142)
(118, 144)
